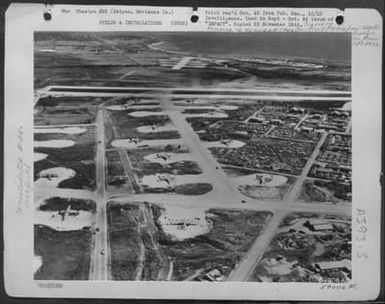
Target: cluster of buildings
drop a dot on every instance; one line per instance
(277, 155)
(278, 116)
(290, 134)
(296, 241)
(334, 162)
(282, 138)
(333, 172)
(327, 244)
(234, 129)
(336, 121)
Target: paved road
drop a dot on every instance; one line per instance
(99, 261)
(181, 63)
(223, 195)
(211, 169)
(245, 268)
(213, 201)
(198, 92)
(298, 183)
(248, 263)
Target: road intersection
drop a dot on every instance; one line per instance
(223, 195)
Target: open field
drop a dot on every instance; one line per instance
(260, 185)
(66, 110)
(324, 191)
(127, 126)
(79, 157)
(121, 59)
(58, 204)
(65, 255)
(157, 160)
(192, 257)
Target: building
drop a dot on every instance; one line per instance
(214, 276)
(344, 264)
(318, 225)
(297, 110)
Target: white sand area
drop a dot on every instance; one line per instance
(224, 144)
(203, 107)
(228, 107)
(70, 222)
(39, 156)
(133, 144)
(63, 130)
(209, 115)
(169, 180)
(55, 143)
(53, 176)
(136, 107)
(210, 107)
(346, 107)
(37, 262)
(156, 128)
(260, 179)
(282, 267)
(184, 223)
(167, 158)
(145, 113)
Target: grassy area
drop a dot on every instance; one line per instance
(59, 203)
(145, 167)
(185, 189)
(260, 192)
(127, 240)
(232, 233)
(115, 169)
(66, 110)
(65, 254)
(138, 155)
(193, 189)
(310, 193)
(83, 179)
(325, 191)
(76, 153)
(340, 191)
(79, 158)
(126, 126)
(177, 168)
(116, 175)
(153, 266)
(89, 136)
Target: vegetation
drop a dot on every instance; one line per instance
(340, 190)
(193, 189)
(126, 126)
(124, 240)
(177, 168)
(79, 158)
(60, 203)
(231, 235)
(65, 254)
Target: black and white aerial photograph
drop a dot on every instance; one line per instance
(192, 156)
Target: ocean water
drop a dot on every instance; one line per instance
(273, 45)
